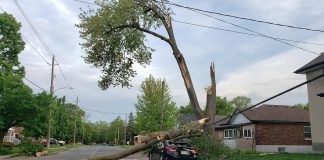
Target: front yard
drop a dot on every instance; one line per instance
(283, 156)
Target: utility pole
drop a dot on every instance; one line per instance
(75, 115)
(118, 136)
(49, 110)
(162, 105)
(115, 137)
(125, 131)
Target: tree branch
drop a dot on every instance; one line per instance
(137, 26)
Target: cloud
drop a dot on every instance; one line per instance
(268, 77)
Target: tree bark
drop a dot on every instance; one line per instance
(211, 95)
(184, 72)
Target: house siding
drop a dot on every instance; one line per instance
(247, 144)
(280, 134)
(316, 109)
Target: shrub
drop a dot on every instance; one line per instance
(30, 148)
(211, 149)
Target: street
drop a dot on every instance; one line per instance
(82, 153)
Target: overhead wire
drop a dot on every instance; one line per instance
(32, 46)
(270, 98)
(261, 34)
(238, 32)
(41, 40)
(244, 18)
(35, 84)
(227, 30)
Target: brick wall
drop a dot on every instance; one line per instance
(280, 134)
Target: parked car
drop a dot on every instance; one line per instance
(61, 143)
(43, 141)
(169, 150)
(53, 141)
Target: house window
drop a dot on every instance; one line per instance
(231, 133)
(307, 133)
(247, 133)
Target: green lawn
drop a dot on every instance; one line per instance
(284, 156)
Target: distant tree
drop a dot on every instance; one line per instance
(148, 106)
(117, 128)
(88, 133)
(241, 102)
(186, 109)
(303, 106)
(131, 130)
(223, 106)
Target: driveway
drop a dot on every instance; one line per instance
(82, 153)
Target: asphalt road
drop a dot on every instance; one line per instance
(82, 153)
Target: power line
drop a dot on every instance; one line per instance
(263, 35)
(2, 9)
(35, 49)
(238, 32)
(273, 97)
(85, 2)
(35, 84)
(244, 18)
(41, 39)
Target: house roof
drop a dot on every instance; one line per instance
(277, 113)
(316, 63)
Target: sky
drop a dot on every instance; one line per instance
(256, 67)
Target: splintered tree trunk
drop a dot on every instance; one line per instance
(211, 95)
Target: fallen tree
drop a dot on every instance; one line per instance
(186, 131)
(115, 36)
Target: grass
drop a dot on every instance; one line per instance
(282, 156)
(9, 150)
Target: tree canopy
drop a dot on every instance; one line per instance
(11, 44)
(115, 40)
(241, 102)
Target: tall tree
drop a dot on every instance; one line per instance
(148, 106)
(241, 102)
(16, 106)
(115, 36)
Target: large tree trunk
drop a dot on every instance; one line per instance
(184, 70)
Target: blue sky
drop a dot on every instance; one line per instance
(253, 66)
